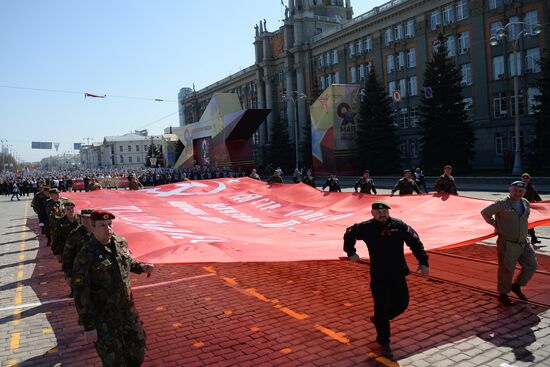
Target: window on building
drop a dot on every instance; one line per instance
(403, 118)
(531, 19)
(498, 67)
(461, 10)
(121, 158)
(388, 36)
(358, 47)
(409, 29)
(390, 64)
(327, 58)
(120, 148)
(413, 116)
(402, 87)
(499, 145)
(351, 49)
(321, 61)
(130, 159)
(411, 57)
(412, 149)
(514, 28)
(337, 77)
(137, 148)
(334, 56)
(532, 104)
(448, 14)
(403, 149)
(512, 65)
(451, 46)
(400, 60)
(391, 88)
(322, 83)
(353, 75)
(463, 42)
(469, 107)
(435, 19)
(500, 105)
(413, 88)
(466, 72)
(494, 27)
(129, 148)
(367, 44)
(532, 60)
(398, 32)
(138, 159)
(521, 104)
(362, 71)
(328, 80)
(493, 4)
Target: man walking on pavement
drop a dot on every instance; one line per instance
(385, 237)
(446, 183)
(406, 184)
(103, 297)
(510, 218)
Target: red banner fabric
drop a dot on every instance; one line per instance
(230, 220)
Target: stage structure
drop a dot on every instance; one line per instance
(333, 129)
(222, 135)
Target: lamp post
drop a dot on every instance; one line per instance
(495, 39)
(2, 141)
(290, 98)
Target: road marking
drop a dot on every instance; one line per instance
(14, 341)
(58, 300)
(385, 361)
(341, 337)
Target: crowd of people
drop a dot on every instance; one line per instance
(96, 262)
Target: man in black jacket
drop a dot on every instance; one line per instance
(384, 237)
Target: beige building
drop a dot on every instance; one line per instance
(321, 43)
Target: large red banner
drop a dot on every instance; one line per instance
(228, 220)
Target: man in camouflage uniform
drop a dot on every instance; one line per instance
(66, 223)
(103, 298)
(77, 239)
(38, 204)
(365, 184)
(52, 211)
(446, 183)
(332, 183)
(309, 179)
(406, 184)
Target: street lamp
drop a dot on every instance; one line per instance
(495, 40)
(2, 141)
(290, 98)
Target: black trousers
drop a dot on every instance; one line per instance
(391, 299)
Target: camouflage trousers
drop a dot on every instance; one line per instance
(121, 340)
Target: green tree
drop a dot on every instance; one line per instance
(447, 136)
(542, 129)
(377, 144)
(152, 152)
(281, 151)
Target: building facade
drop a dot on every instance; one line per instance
(125, 151)
(320, 43)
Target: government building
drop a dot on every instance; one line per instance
(321, 43)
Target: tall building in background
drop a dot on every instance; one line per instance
(320, 44)
(181, 106)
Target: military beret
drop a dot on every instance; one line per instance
(519, 184)
(53, 191)
(86, 212)
(447, 166)
(407, 170)
(101, 215)
(526, 175)
(380, 204)
(67, 202)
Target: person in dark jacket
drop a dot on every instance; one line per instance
(332, 183)
(406, 184)
(446, 183)
(385, 237)
(531, 195)
(365, 184)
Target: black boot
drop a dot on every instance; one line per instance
(517, 290)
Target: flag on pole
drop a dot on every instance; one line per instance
(86, 95)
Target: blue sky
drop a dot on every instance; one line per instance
(138, 49)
